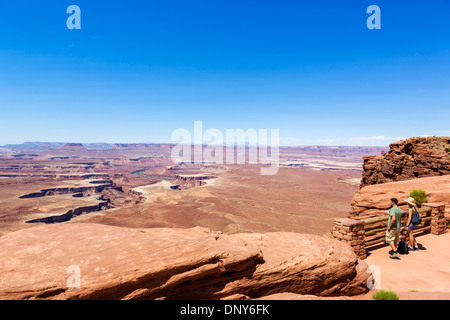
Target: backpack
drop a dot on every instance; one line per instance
(416, 219)
(403, 248)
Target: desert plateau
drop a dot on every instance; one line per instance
(138, 185)
(254, 230)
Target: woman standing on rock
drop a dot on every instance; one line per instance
(411, 223)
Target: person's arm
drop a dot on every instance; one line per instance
(392, 214)
(409, 216)
(392, 222)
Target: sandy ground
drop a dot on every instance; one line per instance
(420, 275)
(242, 200)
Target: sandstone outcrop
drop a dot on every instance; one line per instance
(373, 200)
(124, 263)
(301, 264)
(71, 214)
(68, 190)
(73, 147)
(188, 181)
(408, 159)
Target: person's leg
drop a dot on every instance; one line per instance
(411, 239)
(391, 241)
(396, 241)
(416, 246)
(392, 245)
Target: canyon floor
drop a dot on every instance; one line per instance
(241, 200)
(140, 186)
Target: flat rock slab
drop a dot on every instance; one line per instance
(125, 263)
(114, 262)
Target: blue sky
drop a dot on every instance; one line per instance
(136, 70)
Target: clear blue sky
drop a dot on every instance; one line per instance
(138, 70)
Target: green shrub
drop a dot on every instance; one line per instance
(385, 295)
(447, 150)
(420, 196)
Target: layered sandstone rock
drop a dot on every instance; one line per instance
(302, 264)
(373, 200)
(408, 159)
(73, 147)
(124, 263)
(188, 181)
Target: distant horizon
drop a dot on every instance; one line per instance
(172, 143)
(237, 143)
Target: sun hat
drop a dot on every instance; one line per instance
(411, 201)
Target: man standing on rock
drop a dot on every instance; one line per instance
(393, 228)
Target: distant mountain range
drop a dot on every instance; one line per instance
(42, 146)
(305, 150)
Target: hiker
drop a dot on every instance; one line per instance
(412, 222)
(393, 228)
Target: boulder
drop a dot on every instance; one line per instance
(162, 263)
(302, 264)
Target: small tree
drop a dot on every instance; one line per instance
(420, 196)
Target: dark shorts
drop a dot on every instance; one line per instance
(411, 227)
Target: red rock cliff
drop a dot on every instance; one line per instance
(408, 159)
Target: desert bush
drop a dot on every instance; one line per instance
(420, 196)
(385, 295)
(447, 150)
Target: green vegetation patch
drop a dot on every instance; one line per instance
(385, 295)
(420, 196)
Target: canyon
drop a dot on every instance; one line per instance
(227, 232)
(43, 182)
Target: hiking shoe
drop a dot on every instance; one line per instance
(412, 249)
(391, 252)
(394, 255)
